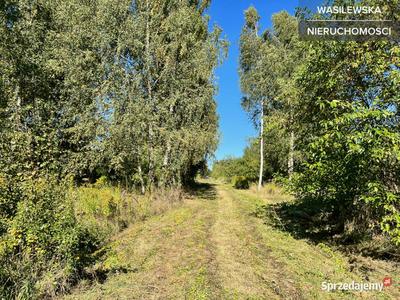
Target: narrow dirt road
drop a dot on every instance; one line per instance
(212, 247)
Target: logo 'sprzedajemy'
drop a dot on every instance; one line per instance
(356, 286)
(387, 281)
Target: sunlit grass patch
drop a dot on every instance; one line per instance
(200, 288)
(271, 192)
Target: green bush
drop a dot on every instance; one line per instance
(240, 182)
(40, 240)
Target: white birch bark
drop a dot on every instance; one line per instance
(261, 147)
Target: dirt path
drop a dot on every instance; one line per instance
(212, 248)
(246, 267)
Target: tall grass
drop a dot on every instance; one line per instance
(267, 189)
(271, 192)
(108, 209)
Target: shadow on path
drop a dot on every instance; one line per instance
(309, 221)
(204, 190)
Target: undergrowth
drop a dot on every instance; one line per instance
(108, 209)
(52, 231)
(42, 246)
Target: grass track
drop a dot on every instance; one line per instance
(212, 247)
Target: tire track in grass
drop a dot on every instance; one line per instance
(168, 257)
(245, 267)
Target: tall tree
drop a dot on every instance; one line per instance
(50, 71)
(163, 101)
(268, 66)
(285, 48)
(252, 75)
(260, 69)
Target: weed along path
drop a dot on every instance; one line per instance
(214, 247)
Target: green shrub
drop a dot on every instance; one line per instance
(240, 182)
(40, 239)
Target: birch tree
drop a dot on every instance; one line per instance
(268, 63)
(282, 40)
(257, 81)
(166, 58)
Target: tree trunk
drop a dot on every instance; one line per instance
(140, 173)
(261, 146)
(290, 160)
(261, 134)
(165, 163)
(126, 181)
(151, 157)
(167, 152)
(151, 132)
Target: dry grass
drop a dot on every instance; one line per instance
(270, 192)
(245, 266)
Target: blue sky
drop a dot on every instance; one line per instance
(229, 15)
